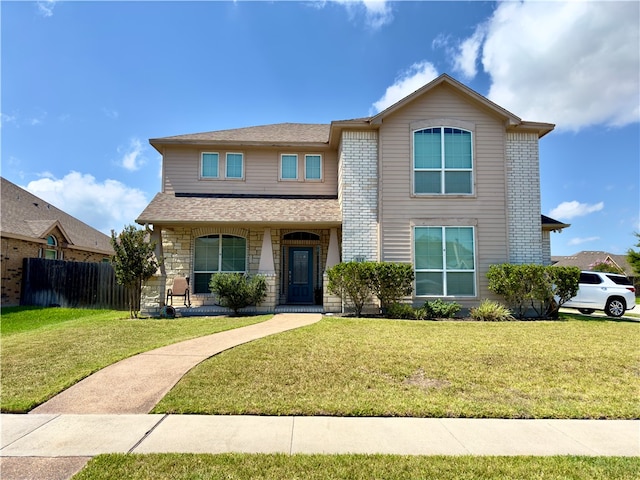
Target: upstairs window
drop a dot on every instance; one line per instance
(442, 161)
(313, 167)
(209, 165)
(235, 168)
(217, 253)
(289, 167)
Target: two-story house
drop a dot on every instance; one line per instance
(444, 179)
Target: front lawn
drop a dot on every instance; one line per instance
(45, 350)
(354, 467)
(585, 367)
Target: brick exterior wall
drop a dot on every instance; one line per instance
(14, 251)
(358, 195)
(523, 198)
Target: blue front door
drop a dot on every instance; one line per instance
(300, 275)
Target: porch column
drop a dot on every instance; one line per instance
(333, 252)
(266, 264)
(154, 290)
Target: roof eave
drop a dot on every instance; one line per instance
(158, 143)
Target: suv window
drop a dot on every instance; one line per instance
(590, 279)
(619, 280)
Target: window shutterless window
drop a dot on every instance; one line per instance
(289, 167)
(217, 253)
(442, 161)
(313, 167)
(444, 261)
(235, 167)
(209, 165)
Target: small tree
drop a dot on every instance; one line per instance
(236, 290)
(134, 262)
(352, 281)
(391, 282)
(633, 257)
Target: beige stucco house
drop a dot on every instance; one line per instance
(33, 228)
(444, 180)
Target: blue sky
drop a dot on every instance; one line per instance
(84, 85)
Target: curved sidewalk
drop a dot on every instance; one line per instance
(136, 384)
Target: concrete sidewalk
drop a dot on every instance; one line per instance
(62, 444)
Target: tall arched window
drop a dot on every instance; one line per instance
(51, 251)
(217, 253)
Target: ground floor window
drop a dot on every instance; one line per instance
(217, 253)
(444, 261)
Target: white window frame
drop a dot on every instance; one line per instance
(306, 177)
(226, 166)
(442, 169)
(207, 177)
(282, 155)
(444, 270)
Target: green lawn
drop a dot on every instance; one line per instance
(47, 350)
(354, 467)
(585, 367)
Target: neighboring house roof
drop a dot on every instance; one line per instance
(549, 223)
(27, 217)
(168, 209)
(585, 259)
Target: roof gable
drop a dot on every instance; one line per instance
(511, 120)
(27, 217)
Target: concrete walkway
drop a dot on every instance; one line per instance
(136, 384)
(108, 413)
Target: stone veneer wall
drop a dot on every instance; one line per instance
(358, 195)
(523, 198)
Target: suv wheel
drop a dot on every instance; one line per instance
(586, 311)
(615, 307)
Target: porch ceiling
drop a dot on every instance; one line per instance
(170, 209)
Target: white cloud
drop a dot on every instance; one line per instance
(574, 64)
(466, 61)
(580, 240)
(377, 13)
(45, 7)
(103, 205)
(408, 82)
(568, 210)
(133, 157)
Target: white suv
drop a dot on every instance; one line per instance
(603, 291)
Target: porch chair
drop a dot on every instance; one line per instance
(180, 288)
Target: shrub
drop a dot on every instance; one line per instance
(390, 282)
(404, 311)
(490, 311)
(236, 290)
(352, 281)
(440, 309)
(543, 289)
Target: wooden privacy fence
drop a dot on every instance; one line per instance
(71, 284)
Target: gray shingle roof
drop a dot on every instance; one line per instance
(586, 258)
(167, 208)
(26, 216)
(278, 133)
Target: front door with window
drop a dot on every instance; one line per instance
(300, 275)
